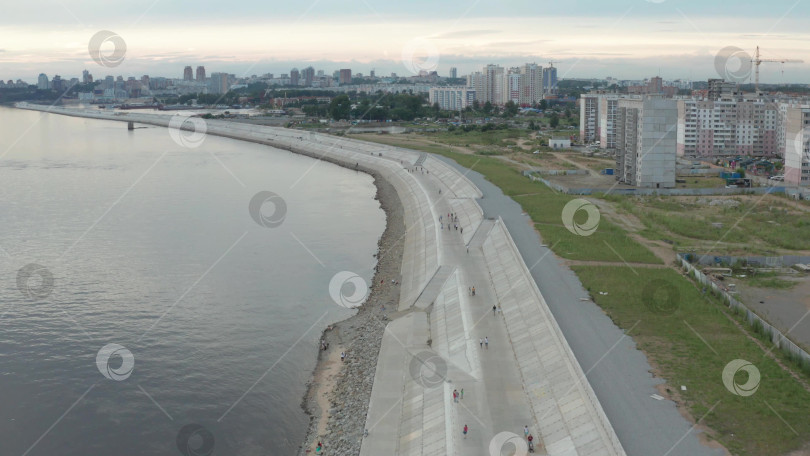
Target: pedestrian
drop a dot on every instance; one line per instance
(473, 291)
(319, 448)
(486, 342)
(342, 356)
(465, 431)
(526, 431)
(468, 250)
(531, 443)
(494, 309)
(455, 395)
(462, 230)
(462, 394)
(481, 342)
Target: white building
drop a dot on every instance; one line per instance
(452, 98)
(559, 143)
(42, 82)
(646, 141)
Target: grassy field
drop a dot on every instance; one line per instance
(666, 323)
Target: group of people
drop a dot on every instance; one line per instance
(452, 222)
(529, 438)
(457, 395)
(483, 342)
(471, 291)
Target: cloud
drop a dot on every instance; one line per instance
(464, 34)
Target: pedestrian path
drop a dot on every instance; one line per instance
(569, 417)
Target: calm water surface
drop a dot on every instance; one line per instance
(151, 246)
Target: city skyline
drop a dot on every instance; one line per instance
(632, 39)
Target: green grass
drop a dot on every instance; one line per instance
(767, 280)
(744, 425)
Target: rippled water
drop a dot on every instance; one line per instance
(151, 246)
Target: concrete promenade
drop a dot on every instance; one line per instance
(526, 375)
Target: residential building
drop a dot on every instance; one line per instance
(87, 78)
(308, 75)
(646, 141)
(453, 72)
(549, 80)
(346, 76)
(200, 74)
(219, 83)
(531, 84)
(724, 128)
(294, 76)
(452, 98)
(42, 82)
(187, 74)
(797, 145)
(589, 117)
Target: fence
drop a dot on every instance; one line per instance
(776, 336)
(784, 261)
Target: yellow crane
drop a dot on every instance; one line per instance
(757, 61)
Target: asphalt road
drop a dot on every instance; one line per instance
(617, 371)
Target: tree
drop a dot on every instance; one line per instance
(476, 105)
(543, 105)
(340, 108)
(510, 109)
(487, 107)
(554, 120)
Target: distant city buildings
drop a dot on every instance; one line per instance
(219, 83)
(496, 85)
(453, 72)
(200, 74)
(294, 76)
(187, 74)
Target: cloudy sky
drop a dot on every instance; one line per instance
(628, 39)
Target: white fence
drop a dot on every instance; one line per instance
(753, 319)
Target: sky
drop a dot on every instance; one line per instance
(625, 39)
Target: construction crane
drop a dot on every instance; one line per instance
(757, 61)
(551, 63)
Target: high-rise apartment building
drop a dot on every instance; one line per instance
(308, 74)
(42, 82)
(188, 75)
(646, 134)
(549, 79)
(200, 73)
(345, 76)
(452, 98)
(219, 83)
(727, 128)
(294, 76)
(453, 72)
(87, 78)
(797, 145)
(531, 84)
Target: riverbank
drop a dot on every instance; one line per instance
(338, 395)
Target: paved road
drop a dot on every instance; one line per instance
(616, 370)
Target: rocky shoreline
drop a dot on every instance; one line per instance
(348, 392)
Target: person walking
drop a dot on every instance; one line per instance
(461, 395)
(343, 356)
(473, 291)
(465, 431)
(531, 443)
(494, 309)
(486, 342)
(455, 396)
(526, 431)
(481, 342)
